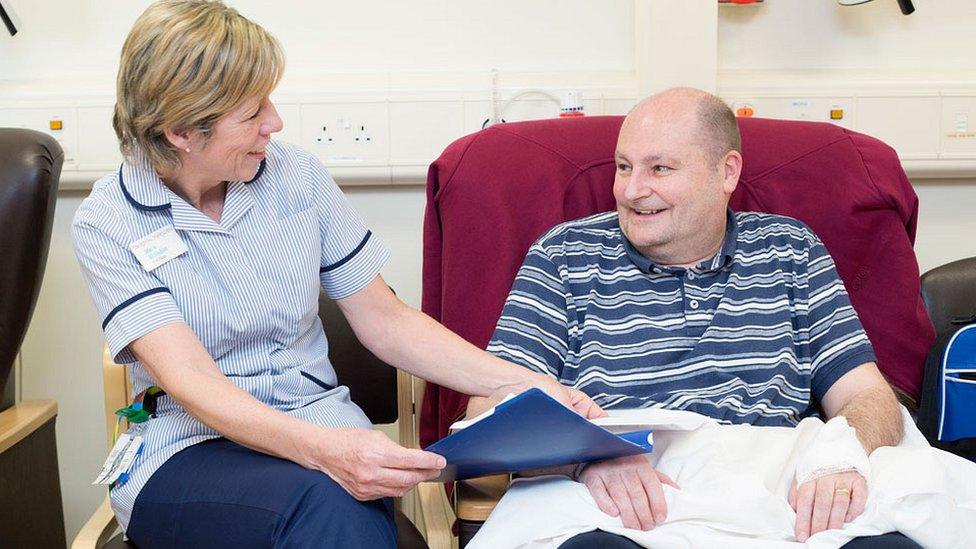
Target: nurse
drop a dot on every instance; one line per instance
(204, 254)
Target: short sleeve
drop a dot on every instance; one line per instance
(352, 256)
(837, 341)
(534, 329)
(130, 301)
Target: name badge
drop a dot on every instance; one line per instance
(158, 247)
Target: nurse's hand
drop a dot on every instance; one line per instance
(574, 398)
(369, 465)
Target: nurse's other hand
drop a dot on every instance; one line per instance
(369, 465)
(574, 398)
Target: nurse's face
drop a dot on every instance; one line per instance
(235, 147)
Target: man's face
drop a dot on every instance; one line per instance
(671, 192)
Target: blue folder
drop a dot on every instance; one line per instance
(530, 431)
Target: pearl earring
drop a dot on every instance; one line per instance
(187, 149)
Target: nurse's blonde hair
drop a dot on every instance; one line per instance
(185, 64)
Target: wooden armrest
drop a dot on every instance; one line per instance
(437, 514)
(476, 498)
(98, 530)
(22, 419)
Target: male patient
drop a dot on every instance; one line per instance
(675, 301)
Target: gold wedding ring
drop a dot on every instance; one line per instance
(842, 490)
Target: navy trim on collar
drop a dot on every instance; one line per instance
(146, 208)
(260, 171)
(143, 207)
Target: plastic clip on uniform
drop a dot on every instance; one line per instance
(128, 446)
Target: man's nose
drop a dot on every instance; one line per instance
(638, 187)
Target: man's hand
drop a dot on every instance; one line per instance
(628, 487)
(826, 503)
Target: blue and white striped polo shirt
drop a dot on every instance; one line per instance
(248, 287)
(752, 335)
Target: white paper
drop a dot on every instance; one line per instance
(624, 421)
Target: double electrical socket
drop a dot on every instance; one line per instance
(347, 133)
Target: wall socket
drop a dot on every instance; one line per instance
(347, 133)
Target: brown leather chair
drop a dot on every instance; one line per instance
(30, 489)
(384, 394)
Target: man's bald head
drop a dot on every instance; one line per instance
(717, 126)
(678, 163)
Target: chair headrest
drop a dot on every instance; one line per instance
(30, 166)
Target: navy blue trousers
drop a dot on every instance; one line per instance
(606, 540)
(221, 494)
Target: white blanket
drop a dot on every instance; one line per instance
(734, 484)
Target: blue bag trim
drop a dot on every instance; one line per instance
(957, 419)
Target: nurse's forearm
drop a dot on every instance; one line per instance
(410, 340)
(182, 367)
(429, 350)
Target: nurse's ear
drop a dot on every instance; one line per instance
(181, 139)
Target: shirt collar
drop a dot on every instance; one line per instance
(715, 263)
(141, 185)
(145, 191)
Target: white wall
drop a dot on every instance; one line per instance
(946, 225)
(873, 40)
(81, 39)
(821, 34)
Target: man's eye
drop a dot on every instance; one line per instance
(661, 169)
(623, 167)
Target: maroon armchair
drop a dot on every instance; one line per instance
(492, 193)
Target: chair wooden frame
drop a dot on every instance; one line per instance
(22, 419)
(435, 515)
(476, 498)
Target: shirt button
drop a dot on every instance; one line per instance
(691, 275)
(693, 303)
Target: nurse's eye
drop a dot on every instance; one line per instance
(622, 167)
(255, 115)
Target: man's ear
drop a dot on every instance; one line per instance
(179, 139)
(731, 167)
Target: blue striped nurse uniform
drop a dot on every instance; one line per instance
(248, 287)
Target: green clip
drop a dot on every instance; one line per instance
(133, 414)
